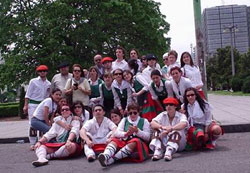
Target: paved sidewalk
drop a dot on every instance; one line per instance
(232, 112)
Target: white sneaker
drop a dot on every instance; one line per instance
(168, 155)
(40, 162)
(157, 155)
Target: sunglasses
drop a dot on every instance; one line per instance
(133, 113)
(170, 104)
(143, 59)
(77, 107)
(43, 71)
(76, 70)
(67, 109)
(190, 95)
(98, 60)
(116, 74)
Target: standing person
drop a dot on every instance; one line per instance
(59, 80)
(192, 72)
(135, 55)
(152, 65)
(38, 90)
(94, 82)
(132, 135)
(165, 68)
(98, 65)
(96, 133)
(179, 83)
(120, 61)
(106, 95)
(107, 64)
(64, 146)
(41, 116)
(170, 135)
(143, 62)
(122, 91)
(78, 87)
(172, 60)
(203, 131)
(159, 88)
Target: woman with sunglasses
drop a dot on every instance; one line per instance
(169, 133)
(132, 135)
(203, 131)
(192, 72)
(64, 146)
(94, 82)
(78, 87)
(121, 90)
(41, 116)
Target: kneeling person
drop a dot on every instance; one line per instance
(96, 133)
(131, 136)
(64, 146)
(169, 126)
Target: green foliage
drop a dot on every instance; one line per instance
(47, 32)
(9, 110)
(236, 83)
(246, 84)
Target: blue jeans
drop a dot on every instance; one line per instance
(39, 125)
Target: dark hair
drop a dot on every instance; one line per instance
(175, 68)
(61, 108)
(116, 111)
(201, 102)
(155, 72)
(173, 52)
(191, 60)
(119, 70)
(99, 105)
(134, 106)
(53, 92)
(132, 63)
(133, 49)
(123, 51)
(129, 72)
(77, 103)
(95, 68)
(78, 65)
(106, 74)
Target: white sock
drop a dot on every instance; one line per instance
(88, 151)
(123, 153)
(109, 150)
(169, 151)
(41, 153)
(60, 153)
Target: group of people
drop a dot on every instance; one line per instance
(120, 110)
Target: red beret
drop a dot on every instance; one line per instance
(106, 59)
(42, 68)
(171, 100)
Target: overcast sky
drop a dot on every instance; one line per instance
(180, 15)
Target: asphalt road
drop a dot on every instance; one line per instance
(231, 155)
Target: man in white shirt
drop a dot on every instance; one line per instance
(120, 61)
(152, 65)
(59, 80)
(38, 90)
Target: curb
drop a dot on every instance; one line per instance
(18, 140)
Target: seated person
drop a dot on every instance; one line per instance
(131, 136)
(115, 116)
(203, 131)
(169, 135)
(65, 146)
(96, 133)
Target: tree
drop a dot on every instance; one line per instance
(47, 32)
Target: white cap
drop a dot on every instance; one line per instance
(165, 55)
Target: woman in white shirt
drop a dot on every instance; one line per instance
(40, 120)
(203, 131)
(192, 72)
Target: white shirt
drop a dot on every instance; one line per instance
(168, 87)
(59, 81)
(169, 77)
(143, 134)
(193, 73)
(39, 112)
(179, 89)
(99, 133)
(58, 131)
(38, 89)
(148, 70)
(121, 65)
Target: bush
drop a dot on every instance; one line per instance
(236, 83)
(9, 110)
(246, 85)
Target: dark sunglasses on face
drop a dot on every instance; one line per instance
(98, 60)
(42, 71)
(132, 113)
(66, 109)
(77, 107)
(116, 74)
(170, 104)
(190, 95)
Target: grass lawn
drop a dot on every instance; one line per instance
(229, 93)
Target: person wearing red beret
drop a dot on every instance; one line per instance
(169, 135)
(107, 64)
(38, 90)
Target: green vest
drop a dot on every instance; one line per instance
(137, 86)
(95, 89)
(107, 94)
(161, 94)
(140, 124)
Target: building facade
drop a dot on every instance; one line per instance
(223, 23)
